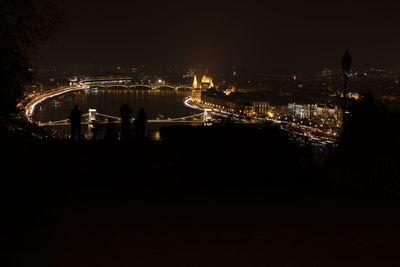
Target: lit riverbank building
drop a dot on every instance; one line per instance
(205, 84)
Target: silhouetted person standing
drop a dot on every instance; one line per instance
(111, 133)
(95, 129)
(75, 120)
(126, 125)
(140, 125)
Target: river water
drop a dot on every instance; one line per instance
(157, 104)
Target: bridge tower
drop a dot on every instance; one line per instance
(92, 124)
(208, 119)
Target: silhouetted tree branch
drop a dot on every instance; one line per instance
(24, 26)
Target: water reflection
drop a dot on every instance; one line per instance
(157, 104)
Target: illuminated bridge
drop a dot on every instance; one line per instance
(114, 80)
(126, 82)
(93, 116)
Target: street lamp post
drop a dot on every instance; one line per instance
(346, 65)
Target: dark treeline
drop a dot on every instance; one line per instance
(368, 152)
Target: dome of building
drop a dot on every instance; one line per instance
(205, 84)
(206, 79)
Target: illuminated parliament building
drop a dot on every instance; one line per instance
(206, 82)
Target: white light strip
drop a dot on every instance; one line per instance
(29, 112)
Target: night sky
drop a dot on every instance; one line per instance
(273, 36)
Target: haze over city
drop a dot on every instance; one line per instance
(273, 36)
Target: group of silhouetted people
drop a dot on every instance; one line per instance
(128, 131)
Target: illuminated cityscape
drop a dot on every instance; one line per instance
(212, 133)
(315, 119)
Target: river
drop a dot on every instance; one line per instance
(156, 103)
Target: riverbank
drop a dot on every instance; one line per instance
(29, 104)
(303, 131)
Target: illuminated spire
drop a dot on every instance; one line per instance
(195, 82)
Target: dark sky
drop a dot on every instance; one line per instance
(273, 36)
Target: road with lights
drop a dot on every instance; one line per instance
(295, 128)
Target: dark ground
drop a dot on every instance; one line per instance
(224, 201)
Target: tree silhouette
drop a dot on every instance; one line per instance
(369, 145)
(24, 25)
(366, 124)
(126, 125)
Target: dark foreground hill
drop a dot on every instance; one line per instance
(236, 197)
